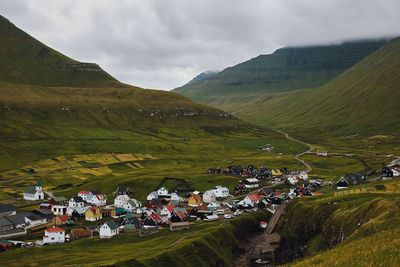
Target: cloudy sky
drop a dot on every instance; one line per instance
(163, 44)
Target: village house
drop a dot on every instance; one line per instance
(167, 211)
(120, 200)
(6, 245)
(80, 233)
(12, 222)
(195, 200)
(84, 195)
(7, 209)
(322, 153)
(342, 183)
(175, 197)
(122, 190)
(240, 188)
(163, 192)
(132, 205)
(266, 191)
(59, 209)
(251, 183)
(395, 171)
(213, 206)
(60, 201)
(252, 199)
(34, 192)
(96, 198)
(209, 196)
(108, 229)
(276, 172)
(93, 214)
(152, 220)
(76, 202)
(303, 175)
(178, 216)
(78, 212)
(54, 235)
(153, 204)
(130, 219)
(38, 217)
(106, 212)
(118, 212)
(152, 195)
(63, 219)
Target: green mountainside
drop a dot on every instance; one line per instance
(365, 98)
(202, 76)
(286, 69)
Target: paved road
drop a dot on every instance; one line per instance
(297, 157)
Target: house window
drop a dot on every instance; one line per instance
(52, 238)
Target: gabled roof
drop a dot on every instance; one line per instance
(30, 190)
(83, 192)
(95, 192)
(180, 214)
(170, 208)
(7, 208)
(77, 199)
(156, 217)
(54, 229)
(254, 197)
(123, 189)
(101, 197)
(64, 218)
(112, 225)
(181, 209)
(59, 199)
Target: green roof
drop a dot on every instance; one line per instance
(112, 225)
(118, 210)
(59, 199)
(128, 216)
(38, 183)
(8, 243)
(30, 190)
(129, 226)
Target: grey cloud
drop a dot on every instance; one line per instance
(163, 44)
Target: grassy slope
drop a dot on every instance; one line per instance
(349, 222)
(205, 244)
(285, 70)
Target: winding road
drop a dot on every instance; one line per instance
(297, 157)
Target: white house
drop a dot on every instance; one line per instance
(175, 197)
(167, 211)
(132, 204)
(395, 171)
(221, 191)
(76, 202)
(34, 192)
(120, 200)
(59, 209)
(251, 183)
(162, 192)
(252, 199)
(108, 229)
(292, 179)
(54, 235)
(83, 195)
(152, 195)
(209, 196)
(303, 175)
(98, 200)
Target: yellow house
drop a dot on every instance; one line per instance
(93, 214)
(276, 172)
(195, 201)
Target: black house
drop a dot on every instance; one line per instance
(386, 172)
(342, 183)
(123, 190)
(356, 178)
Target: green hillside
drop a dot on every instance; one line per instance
(286, 69)
(25, 60)
(364, 99)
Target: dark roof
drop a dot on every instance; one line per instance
(44, 212)
(38, 183)
(123, 189)
(95, 192)
(19, 218)
(5, 222)
(7, 208)
(77, 199)
(93, 227)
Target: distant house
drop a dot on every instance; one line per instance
(152, 220)
(276, 172)
(59, 209)
(387, 172)
(356, 178)
(240, 189)
(78, 212)
(303, 175)
(61, 201)
(342, 183)
(163, 192)
(152, 195)
(93, 214)
(120, 200)
(395, 171)
(97, 199)
(54, 235)
(213, 206)
(132, 204)
(75, 202)
(80, 233)
(38, 217)
(12, 222)
(62, 219)
(178, 216)
(123, 190)
(108, 229)
(322, 153)
(34, 192)
(7, 209)
(84, 195)
(167, 211)
(130, 219)
(209, 196)
(221, 191)
(118, 212)
(153, 204)
(266, 191)
(175, 197)
(251, 183)
(6, 245)
(195, 200)
(252, 199)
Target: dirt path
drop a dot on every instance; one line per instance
(297, 157)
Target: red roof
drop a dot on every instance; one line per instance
(83, 192)
(254, 197)
(156, 218)
(202, 208)
(54, 229)
(101, 197)
(64, 218)
(170, 208)
(181, 214)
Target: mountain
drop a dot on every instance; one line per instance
(202, 76)
(286, 69)
(49, 103)
(365, 98)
